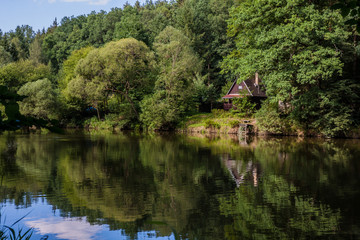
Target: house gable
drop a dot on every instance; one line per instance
(247, 88)
(238, 90)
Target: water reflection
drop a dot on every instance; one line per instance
(78, 229)
(241, 171)
(183, 187)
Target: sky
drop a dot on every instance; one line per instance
(40, 14)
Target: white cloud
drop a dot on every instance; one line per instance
(100, 2)
(92, 2)
(65, 229)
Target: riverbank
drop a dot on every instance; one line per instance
(220, 122)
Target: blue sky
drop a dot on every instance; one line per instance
(41, 13)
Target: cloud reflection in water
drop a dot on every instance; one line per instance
(65, 228)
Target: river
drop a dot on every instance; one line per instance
(85, 185)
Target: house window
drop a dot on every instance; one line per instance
(240, 87)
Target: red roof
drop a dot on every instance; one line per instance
(232, 96)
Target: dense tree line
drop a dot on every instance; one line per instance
(152, 64)
(307, 54)
(121, 63)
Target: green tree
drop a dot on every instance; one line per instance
(205, 22)
(35, 49)
(8, 100)
(41, 100)
(19, 42)
(122, 67)
(351, 10)
(61, 40)
(130, 25)
(5, 57)
(67, 71)
(178, 65)
(157, 16)
(296, 46)
(83, 93)
(16, 74)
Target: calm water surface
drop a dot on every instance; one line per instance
(127, 186)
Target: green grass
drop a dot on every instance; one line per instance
(216, 119)
(110, 122)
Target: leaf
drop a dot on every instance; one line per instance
(13, 234)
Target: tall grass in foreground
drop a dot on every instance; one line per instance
(9, 232)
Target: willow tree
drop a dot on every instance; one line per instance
(41, 100)
(121, 67)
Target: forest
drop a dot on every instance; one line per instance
(150, 65)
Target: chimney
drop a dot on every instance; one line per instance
(256, 79)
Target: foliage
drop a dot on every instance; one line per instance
(122, 67)
(244, 106)
(211, 124)
(172, 97)
(131, 25)
(303, 50)
(5, 57)
(35, 49)
(270, 119)
(295, 46)
(16, 74)
(204, 23)
(17, 42)
(41, 100)
(223, 120)
(351, 10)
(203, 93)
(68, 68)
(9, 100)
(111, 122)
(333, 111)
(234, 123)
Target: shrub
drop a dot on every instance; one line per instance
(211, 124)
(234, 123)
(244, 106)
(269, 119)
(111, 121)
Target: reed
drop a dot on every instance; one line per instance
(9, 232)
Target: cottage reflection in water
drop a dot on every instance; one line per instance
(241, 171)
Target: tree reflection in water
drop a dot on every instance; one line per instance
(188, 186)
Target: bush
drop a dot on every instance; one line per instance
(244, 106)
(111, 121)
(211, 124)
(269, 119)
(234, 123)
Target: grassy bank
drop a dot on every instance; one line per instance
(218, 121)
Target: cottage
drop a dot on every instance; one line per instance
(250, 87)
